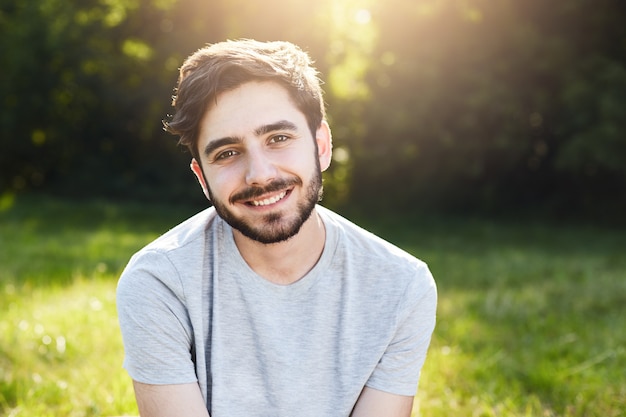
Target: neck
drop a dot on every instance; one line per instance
(285, 262)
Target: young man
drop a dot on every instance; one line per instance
(267, 304)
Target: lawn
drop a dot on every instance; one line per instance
(531, 318)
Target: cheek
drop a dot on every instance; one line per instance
(222, 182)
(302, 158)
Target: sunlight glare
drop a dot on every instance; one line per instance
(363, 16)
(341, 155)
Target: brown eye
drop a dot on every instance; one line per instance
(279, 138)
(225, 155)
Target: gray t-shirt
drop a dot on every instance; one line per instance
(191, 309)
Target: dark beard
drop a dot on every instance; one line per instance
(270, 229)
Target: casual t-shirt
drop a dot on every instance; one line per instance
(191, 309)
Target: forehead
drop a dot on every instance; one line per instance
(245, 108)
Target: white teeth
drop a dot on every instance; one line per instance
(270, 200)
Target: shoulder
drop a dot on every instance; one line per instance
(163, 259)
(378, 260)
(360, 241)
(184, 234)
(185, 239)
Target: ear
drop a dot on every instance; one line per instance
(197, 170)
(324, 140)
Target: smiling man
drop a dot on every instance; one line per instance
(268, 304)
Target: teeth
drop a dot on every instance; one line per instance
(268, 201)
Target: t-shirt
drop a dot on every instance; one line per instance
(191, 309)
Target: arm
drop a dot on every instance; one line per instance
(375, 403)
(169, 400)
(158, 338)
(400, 366)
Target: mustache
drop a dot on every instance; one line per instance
(251, 193)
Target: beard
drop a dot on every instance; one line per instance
(273, 227)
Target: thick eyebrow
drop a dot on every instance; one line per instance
(272, 127)
(218, 143)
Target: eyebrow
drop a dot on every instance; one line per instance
(259, 131)
(218, 143)
(272, 127)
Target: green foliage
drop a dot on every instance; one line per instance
(84, 95)
(440, 104)
(476, 104)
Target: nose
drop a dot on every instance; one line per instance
(260, 168)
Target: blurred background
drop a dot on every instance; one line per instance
(436, 105)
(464, 132)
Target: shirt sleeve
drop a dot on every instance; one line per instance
(399, 369)
(154, 322)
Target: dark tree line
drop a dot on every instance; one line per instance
(434, 104)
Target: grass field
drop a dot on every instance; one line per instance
(531, 318)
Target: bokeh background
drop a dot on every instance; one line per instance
(486, 137)
(444, 105)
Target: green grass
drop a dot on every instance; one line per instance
(60, 347)
(531, 318)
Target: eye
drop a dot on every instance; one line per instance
(225, 155)
(279, 138)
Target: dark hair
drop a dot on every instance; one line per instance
(224, 66)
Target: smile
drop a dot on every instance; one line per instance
(270, 200)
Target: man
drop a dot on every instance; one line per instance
(268, 304)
